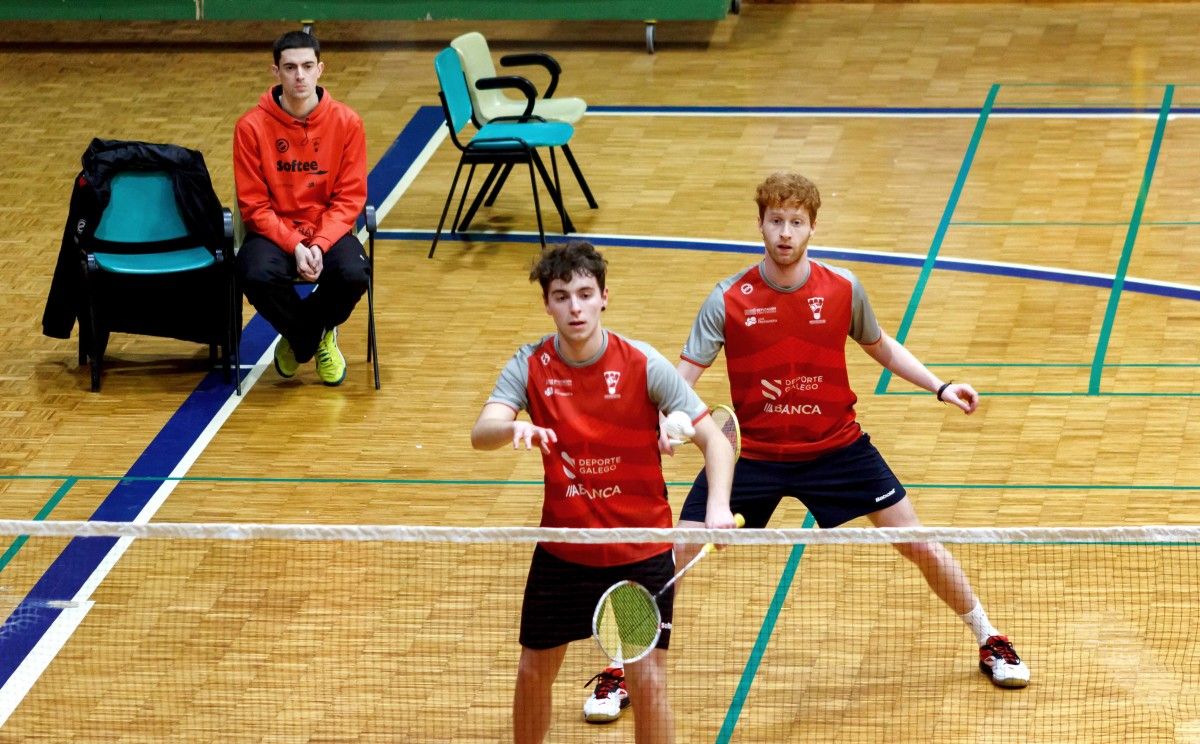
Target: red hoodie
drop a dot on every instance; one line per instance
(300, 180)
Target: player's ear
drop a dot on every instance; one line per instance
(604, 296)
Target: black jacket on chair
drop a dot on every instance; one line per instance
(134, 304)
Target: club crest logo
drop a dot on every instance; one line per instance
(281, 145)
(816, 304)
(611, 378)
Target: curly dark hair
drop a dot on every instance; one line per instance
(565, 261)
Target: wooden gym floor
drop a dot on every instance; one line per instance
(1013, 183)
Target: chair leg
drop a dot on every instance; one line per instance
(372, 350)
(554, 170)
(537, 207)
(97, 350)
(483, 191)
(491, 200)
(456, 225)
(567, 225)
(233, 345)
(445, 209)
(583, 184)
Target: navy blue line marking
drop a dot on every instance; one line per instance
(945, 264)
(79, 559)
(399, 157)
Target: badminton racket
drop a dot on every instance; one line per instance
(627, 622)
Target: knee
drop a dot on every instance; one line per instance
(648, 678)
(917, 552)
(922, 554)
(534, 671)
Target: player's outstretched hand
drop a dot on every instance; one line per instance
(525, 433)
(962, 395)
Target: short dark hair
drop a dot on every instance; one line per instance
(296, 40)
(565, 261)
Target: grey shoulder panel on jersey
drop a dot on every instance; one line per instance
(667, 389)
(864, 327)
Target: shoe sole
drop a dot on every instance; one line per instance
(1013, 683)
(283, 374)
(337, 382)
(602, 718)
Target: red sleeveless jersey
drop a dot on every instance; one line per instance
(605, 469)
(786, 354)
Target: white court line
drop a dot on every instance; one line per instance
(893, 115)
(52, 641)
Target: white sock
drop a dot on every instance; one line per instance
(977, 621)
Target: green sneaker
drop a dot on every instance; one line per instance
(285, 359)
(331, 365)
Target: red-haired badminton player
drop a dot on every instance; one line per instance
(783, 324)
(594, 399)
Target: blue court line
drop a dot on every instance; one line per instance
(1017, 271)
(1114, 297)
(82, 556)
(786, 577)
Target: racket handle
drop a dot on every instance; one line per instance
(738, 521)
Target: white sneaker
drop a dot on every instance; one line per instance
(999, 661)
(608, 698)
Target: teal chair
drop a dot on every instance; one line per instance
(141, 235)
(499, 144)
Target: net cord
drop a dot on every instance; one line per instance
(1174, 534)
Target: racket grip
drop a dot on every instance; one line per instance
(738, 521)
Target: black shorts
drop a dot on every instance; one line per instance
(561, 596)
(835, 487)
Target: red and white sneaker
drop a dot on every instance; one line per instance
(999, 661)
(608, 698)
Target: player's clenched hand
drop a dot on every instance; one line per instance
(719, 519)
(962, 395)
(525, 433)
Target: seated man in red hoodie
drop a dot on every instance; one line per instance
(300, 162)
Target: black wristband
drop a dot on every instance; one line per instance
(942, 389)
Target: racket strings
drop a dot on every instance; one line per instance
(728, 425)
(628, 623)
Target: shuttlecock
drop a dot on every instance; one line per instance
(679, 427)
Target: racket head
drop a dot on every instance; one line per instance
(726, 420)
(627, 623)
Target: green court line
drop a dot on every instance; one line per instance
(1107, 365)
(1091, 85)
(407, 481)
(943, 225)
(1058, 394)
(48, 507)
(1050, 223)
(1135, 219)
(764, 637)
(435, 482)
